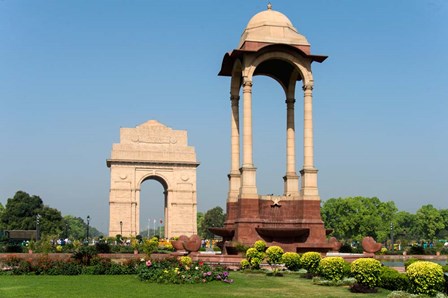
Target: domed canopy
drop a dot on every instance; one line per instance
(272, 27)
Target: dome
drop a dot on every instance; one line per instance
(272, 27)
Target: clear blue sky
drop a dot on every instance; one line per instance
(73, 72)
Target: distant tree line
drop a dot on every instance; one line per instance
(26, 212)
(353, 218)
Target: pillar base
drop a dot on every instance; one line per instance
(248, 183)
(291, 185)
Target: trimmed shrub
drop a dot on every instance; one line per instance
(150, 245)
(393, 280)
(274, 255)
(366, 271)
(254, 257)
(260, 245)
(310, 261)
(332, 268)
(244, 264)
(291, 260)
(426, 277)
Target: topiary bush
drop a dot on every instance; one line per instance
(393, 280)
(254, 257)
(274, 255)
(291, 260)
(367, 272)
(260, 245)
(310, 261)
(332, 268)
(426, 278)
(244, 264)
(150, 245)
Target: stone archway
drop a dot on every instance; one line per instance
(152, 151)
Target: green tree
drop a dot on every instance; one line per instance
(429, 222)
(214, 217)
(443, 234)
(77, 228)
(21, 211)
(405, 226)
(356, 217)
(2, 209)
(199, 220)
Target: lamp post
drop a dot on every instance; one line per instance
(149, 223)
(88, 227)
(392, 235)
(121, 228)
(66, 230)
(38, 216)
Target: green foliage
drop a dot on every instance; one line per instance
(21, 211)
(44, 265)
(332, 268)
(349, 281)
(76, 228)
(366, 271)
(260, 245)
(393, 280)
(102, 247)
(150, 245)
(84, 254)
(254, 257)
(357, 217)
(291, 260)
(425, 277)
(244, 264)
(199, 223)
(214, 217)
(186, 261)
(274, 255)
(429, 222)
(310, 261)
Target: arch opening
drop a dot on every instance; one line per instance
(153, 206)
(269, 133)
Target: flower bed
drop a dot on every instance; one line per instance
(181, 271)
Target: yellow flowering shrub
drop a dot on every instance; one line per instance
(425, 277)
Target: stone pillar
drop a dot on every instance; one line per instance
(166, 220)
(234, 175)
(309, 173)
(291, 180)
(136, 212)
(248, 171)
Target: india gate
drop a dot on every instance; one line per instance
(269, 46)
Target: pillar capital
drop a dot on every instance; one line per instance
(247, 85)
(308, 87)
(290, 103)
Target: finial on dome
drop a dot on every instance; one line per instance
(269, 6)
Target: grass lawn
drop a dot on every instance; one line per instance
(245, 285)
